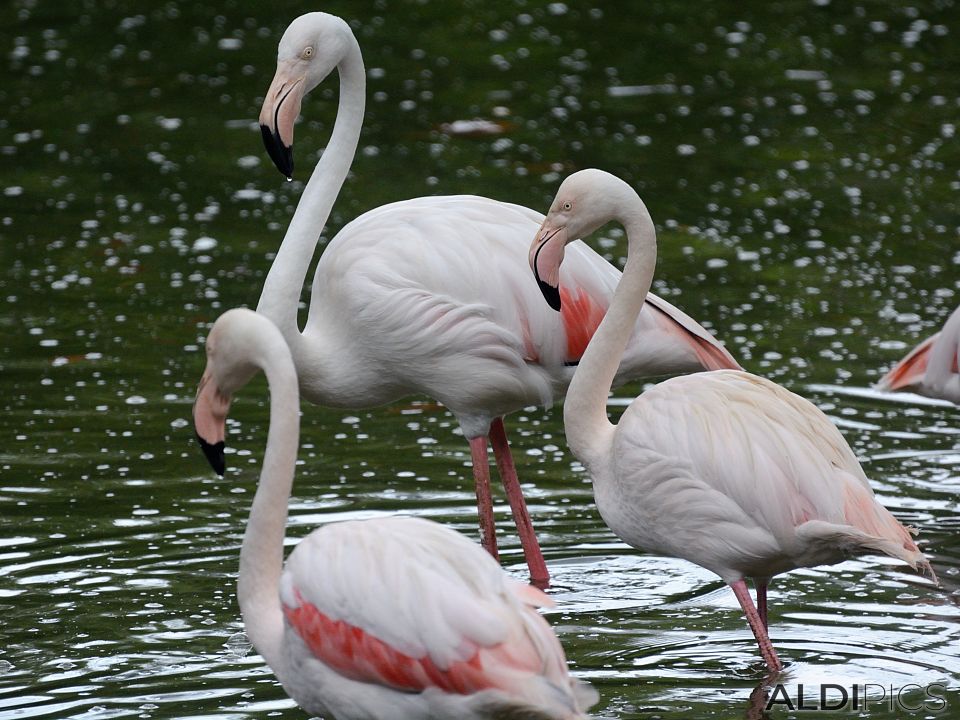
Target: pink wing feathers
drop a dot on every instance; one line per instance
(760, 462)
(389, 605)
(712, 355)
(360, 655)
(931, 368)
(666, 340)
(910, 370)
(581, 315)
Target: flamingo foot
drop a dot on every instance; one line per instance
(757, 625)
(539, 575)
(481, 478)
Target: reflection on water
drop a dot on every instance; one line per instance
(800, 159)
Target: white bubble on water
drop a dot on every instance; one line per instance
(169, 123)
(204, 244)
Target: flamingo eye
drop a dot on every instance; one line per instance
(567, 206)
(307, 53)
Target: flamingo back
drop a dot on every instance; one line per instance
(434, 295)
(747, 479)
(409, 605)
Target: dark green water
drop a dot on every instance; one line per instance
(801, 161)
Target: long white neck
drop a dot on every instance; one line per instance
(261, 555)
(589, 430)
(280, 298)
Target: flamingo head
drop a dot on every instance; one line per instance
(232, 360)
(312, 46)
(585, 201)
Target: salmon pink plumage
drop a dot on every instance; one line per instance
(393, 617)
(724, 469)
(429, 296)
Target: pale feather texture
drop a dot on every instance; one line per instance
(931, 368)
(725, 469)
(439, 601)
(439, 302)
(397, 618)
(430, 296)
(745, 478)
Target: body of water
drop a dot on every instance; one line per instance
(800, 159)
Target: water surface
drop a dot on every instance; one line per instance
(801, 162)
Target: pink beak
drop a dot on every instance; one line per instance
(210, 421)
(546, 255)
(280, 110)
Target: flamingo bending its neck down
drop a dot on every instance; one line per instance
(388, 618)
(429, 296)
(724, 469)
(931, 367)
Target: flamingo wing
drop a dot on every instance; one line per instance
(756, 479)
(440, 301)
(711, 354)
(910, 371)
(931, 368)
(408, 604)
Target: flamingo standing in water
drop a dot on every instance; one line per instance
(429, 296)
(395, 617)
(931, 367)
(724, 469)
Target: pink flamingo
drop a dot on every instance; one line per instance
(394, 617)
(931, 367)
(429, 296)
(724, 469)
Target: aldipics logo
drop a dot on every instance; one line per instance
(831, 697)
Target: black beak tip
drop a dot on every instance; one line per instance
(550, 294)
(214, 453)
(282, 155)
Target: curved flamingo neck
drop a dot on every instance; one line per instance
(280, 299)
(588, 429)
(944, 351)
(261, 554)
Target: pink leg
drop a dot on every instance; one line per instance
(481, 478)
(756, 624)
(539, 575)
(762, 601)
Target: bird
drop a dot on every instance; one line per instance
(391, 617)
(931, 367)
(430, 296)
(724, 469)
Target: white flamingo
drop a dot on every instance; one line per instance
(931, 367)
(724, 469)
(429, 296)
(396, 617)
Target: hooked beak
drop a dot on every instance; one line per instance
(210, 422)
(280, 109)
(546, 255)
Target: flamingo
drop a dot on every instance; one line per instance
(428, 296)
(931, 367)
(393, 617)
(725, 469)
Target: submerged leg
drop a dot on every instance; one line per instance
(539, 575)
(481, 478)
(756, 624)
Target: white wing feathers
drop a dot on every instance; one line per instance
(741, 451)
(396, 579)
